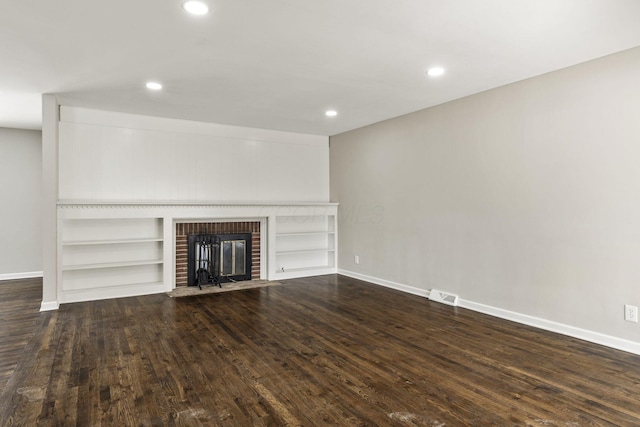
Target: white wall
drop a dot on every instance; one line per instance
(20, 196)
(114, 156)
(524, 199)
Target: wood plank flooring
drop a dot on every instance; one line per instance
(320, 351)
(19, 306)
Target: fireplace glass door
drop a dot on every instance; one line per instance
(233, 257)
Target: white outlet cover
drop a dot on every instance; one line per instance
(631, 313)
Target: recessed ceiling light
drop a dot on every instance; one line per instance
(154, 85)
(331, 113)
(435, 71)
(196, 7)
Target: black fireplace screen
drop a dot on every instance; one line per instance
(218, 258)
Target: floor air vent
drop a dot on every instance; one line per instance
(443, 297)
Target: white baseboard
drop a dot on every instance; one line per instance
(27, 275)
(49, 305)
(536, 322)
(385, 283)
(560, 328)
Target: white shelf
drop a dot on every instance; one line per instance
(128, 289)
(305, 269)
(308, 233)
(110, 265)
(110, 242)
(306, 251)
(140, 283)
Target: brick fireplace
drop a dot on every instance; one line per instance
(184, 229)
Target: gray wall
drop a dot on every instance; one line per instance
(20, 196)
(525, 198)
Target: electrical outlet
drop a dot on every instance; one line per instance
(631, 313)
(356, 259)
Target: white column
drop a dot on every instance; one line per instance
(271, 248)
(50, 271)
(168, 253)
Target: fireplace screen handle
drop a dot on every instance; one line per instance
(206, 270)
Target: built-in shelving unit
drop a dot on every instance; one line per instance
(305, 245)
(103, 253)
(121, 249)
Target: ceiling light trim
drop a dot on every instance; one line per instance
(435, 71)
(196, 7)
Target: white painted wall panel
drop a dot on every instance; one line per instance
(102, 161)
(292, 170)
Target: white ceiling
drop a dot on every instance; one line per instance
(279, 64)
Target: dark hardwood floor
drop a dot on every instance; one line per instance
(19, 306)
(320, 351)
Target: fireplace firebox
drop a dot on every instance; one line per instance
(217, 258)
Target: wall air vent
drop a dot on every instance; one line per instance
(443, 297)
